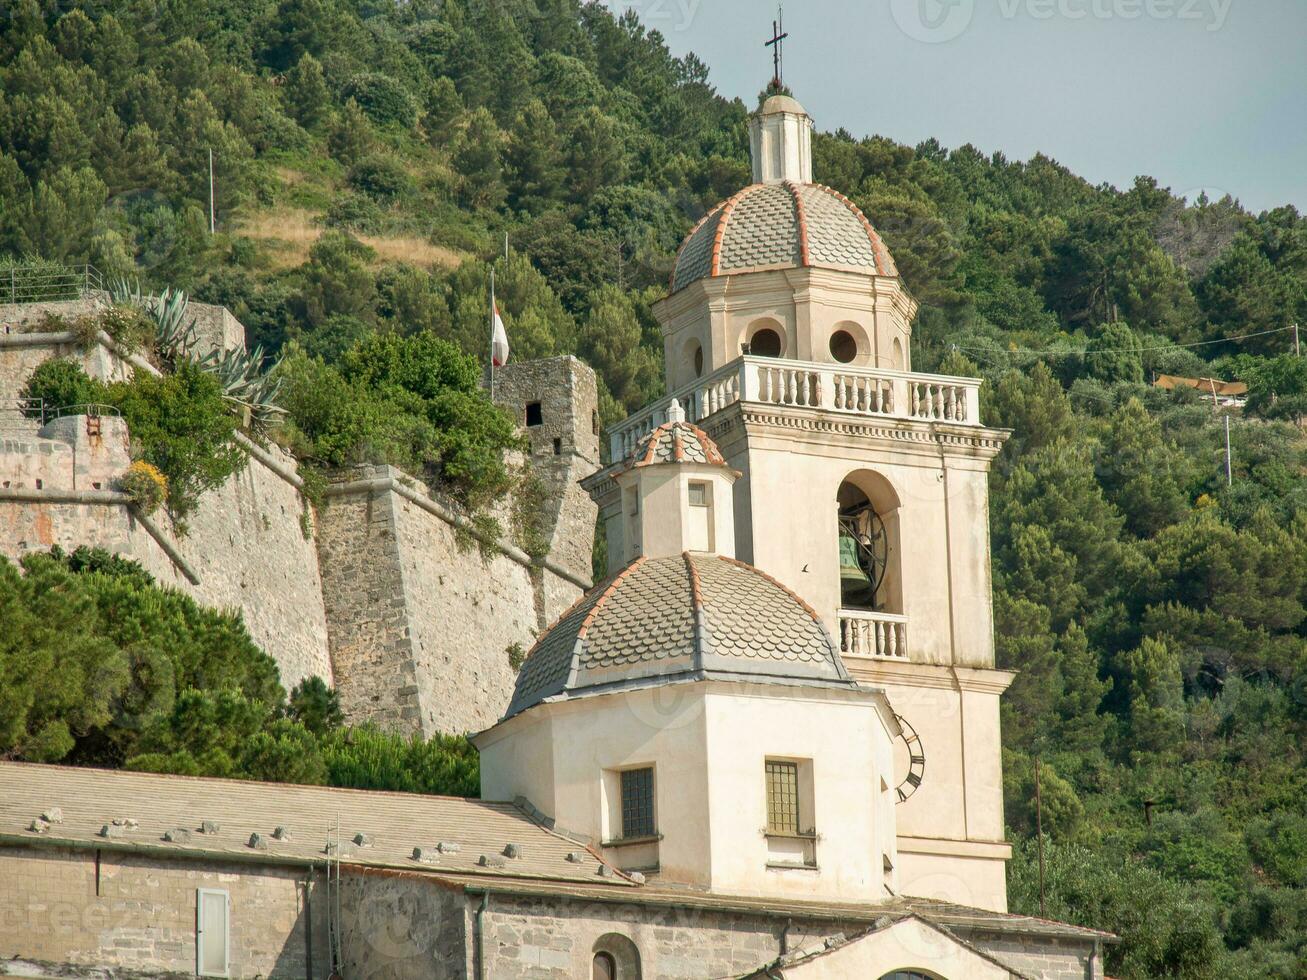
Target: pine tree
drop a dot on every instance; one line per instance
(306, 93)
(441, 111)
(533, 161)
(479, 162)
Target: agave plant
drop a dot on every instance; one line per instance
(174, 335)
(250, 389)
(124, 291)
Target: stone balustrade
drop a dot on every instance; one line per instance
(883, 636)
(838, 388)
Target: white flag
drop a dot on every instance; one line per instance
(499, 339)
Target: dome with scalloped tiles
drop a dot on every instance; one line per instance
(689, 617)
(782, 225)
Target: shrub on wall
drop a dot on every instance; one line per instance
(179, 423)
(58, 383)
(147, 487)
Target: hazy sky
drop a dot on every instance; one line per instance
(1201, 94)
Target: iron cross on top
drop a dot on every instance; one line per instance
(778, 36)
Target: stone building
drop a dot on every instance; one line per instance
(767, 746)
(131, 875)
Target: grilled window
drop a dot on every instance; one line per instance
(782, 797)
(637, 803)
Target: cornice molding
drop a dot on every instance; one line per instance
(944, 677)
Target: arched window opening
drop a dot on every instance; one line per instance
(900, 362)
(869, 544)
(615, 958)
(765, 343)
(843, 346)
(605, 967)
(698, 361)
(909, 975)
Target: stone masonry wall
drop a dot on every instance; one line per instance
(244, 541)
(416, 629)
(1046, 958)
(423, 623)
(396, 926)
(563, 446)
(140, 918)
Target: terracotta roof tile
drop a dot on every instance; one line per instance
(787, 225)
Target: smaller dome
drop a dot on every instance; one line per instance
(782, 103)
(677, 441)
(680, 618)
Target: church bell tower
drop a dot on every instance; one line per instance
(863, 485)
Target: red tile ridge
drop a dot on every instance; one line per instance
(603, 597)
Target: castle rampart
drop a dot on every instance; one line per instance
(385, 592)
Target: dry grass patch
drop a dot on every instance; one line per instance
(415, 251)
(289, 234)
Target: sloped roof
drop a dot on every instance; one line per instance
(456, 834)
(779, 226)
(680, 617)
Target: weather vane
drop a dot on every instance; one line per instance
(778, 36)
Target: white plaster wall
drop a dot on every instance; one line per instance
(979, 882)
(789, 525)
(849, 748)
(708, 742)
(807, 305)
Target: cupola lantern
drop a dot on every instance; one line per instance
(780, 142)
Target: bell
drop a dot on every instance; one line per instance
(856, 589)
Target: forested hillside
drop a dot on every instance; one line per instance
(370, 159)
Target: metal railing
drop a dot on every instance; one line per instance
(866, 392)
(881, 636)
(32, 413)
(93, 410)
(41, 283)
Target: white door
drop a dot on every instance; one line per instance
(212, 929)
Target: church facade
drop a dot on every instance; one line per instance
(766, 746)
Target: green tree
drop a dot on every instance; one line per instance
(306, 93)
(533, 160)
(478, 161)
(1140, 471)
(441, 112)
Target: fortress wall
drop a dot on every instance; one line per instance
(244, 542)
(422, 620)
(367, 611)
(405, 614)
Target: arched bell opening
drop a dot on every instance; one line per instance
(867, 510)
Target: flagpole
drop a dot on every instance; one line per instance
(492, 333)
